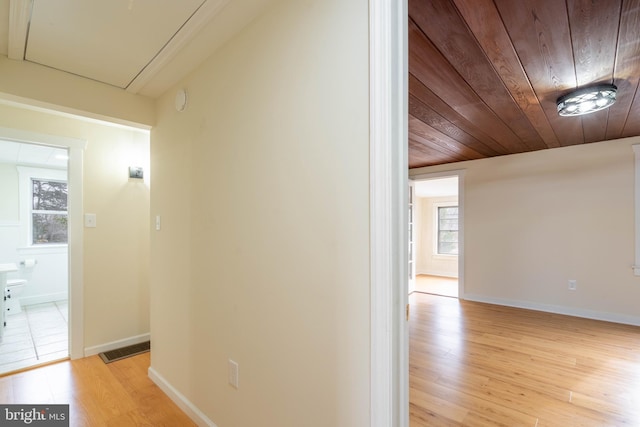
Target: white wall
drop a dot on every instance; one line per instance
(428, 261)
(48, 279)
(535, 220)
(116, 253)
(263, 256)
(9, 208)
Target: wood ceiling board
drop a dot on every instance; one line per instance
(444, 27)
(482, 17)
(108, 41)
(421, 155)
(539, 31)
(594, 35)
(424, 95)
(632, 126)
(627, 76)
(430, 117)
(421, 132)
(428, 65)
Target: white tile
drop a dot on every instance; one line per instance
(53, 348)
(45, 318)
(51, 338)
(15, 356)
(48, 306)
(24, 343)
(54, 329)
(18, 364)
(16, 331)
(44, 325)
(63, 308)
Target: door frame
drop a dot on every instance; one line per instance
(388, 181)
(75, 149)
(458, 173)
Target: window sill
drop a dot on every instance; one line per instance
(43, 249)
(445, 257)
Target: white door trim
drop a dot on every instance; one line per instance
(389, 399)
(74, 178)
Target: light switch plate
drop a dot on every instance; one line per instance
(90, 220)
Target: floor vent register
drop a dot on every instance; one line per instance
(124, 352)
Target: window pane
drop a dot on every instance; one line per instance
(448, 248)
(449, 236)
(49, 195)
(449, 224)
(449, 212)
(448, 230)
(49, 228)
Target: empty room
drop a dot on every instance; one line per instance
(546, 328)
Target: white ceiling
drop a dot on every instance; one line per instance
(109, 41)
(438, 187)
(142, 46)
(32, 155)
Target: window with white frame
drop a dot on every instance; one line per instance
(49, 216)
(447, 235)
(44, 215)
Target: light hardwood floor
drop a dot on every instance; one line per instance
(475, 364)
(445, 286)
(119, 394)
(471, 364)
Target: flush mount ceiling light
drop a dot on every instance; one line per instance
(587, 100)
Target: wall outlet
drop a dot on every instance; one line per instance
(573, 284)
(233, 373)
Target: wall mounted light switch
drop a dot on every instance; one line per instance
(90, 220)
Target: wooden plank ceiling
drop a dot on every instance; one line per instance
(484, 75)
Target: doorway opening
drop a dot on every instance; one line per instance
(34, 226)
(436, 235)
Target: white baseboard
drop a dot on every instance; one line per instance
(96, 349)
(41, 299)
(558, 309)
(443, 273)
(179, 399)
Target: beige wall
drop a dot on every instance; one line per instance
(534, 221)
(116, 253)
(262, 185)
(427, 260)
(36, 85)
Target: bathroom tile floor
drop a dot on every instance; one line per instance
(39, 334)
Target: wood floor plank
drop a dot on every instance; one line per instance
(99, 395)
(476, 364)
